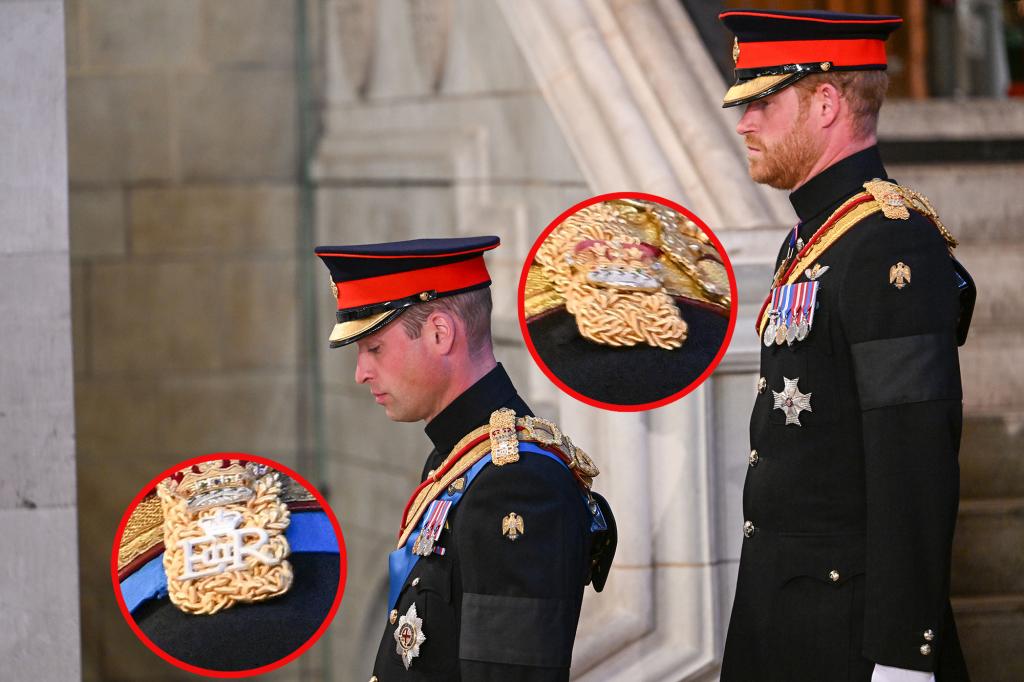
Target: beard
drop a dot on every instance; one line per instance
(784, 164)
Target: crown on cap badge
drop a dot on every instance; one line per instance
(220, 482)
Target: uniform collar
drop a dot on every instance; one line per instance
(473, 408)
(835, 184)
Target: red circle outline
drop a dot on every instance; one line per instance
(227, 674)
(733, 308)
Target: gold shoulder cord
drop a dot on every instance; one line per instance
(891, 199)
(505, 432)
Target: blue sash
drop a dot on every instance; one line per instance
(401, 561)
(307, 532)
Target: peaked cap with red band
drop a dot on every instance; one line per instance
(374, 283)
(774, 49)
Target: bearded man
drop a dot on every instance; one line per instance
(497, 542)
(852, 488)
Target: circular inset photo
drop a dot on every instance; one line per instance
(228, 565)
(626, 301)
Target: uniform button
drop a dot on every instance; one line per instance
(748, 528)
(373, 679)
(926, 649)
(929, 635)
(415, 582)
(762, 384)
(393, 616)
(833, 575)
(754, 458)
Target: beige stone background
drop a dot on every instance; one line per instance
(184, 153)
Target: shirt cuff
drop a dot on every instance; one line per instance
(884, 673)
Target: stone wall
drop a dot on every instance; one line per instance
(39, 579)
(184, 156)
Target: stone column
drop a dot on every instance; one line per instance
(39, 574)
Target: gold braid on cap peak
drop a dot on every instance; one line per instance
(615, 265)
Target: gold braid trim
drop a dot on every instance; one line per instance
(839, 228)
(257, 581)
(429, 493)
(894, 201)
(143, 530)
(530, 429)
(607, 315)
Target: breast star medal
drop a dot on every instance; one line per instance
(409, 636)
(512, 526)
(899, 275)
(791, 401)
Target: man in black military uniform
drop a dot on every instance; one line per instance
(498, 541)
(852, 488)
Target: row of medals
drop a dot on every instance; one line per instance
(778, 332)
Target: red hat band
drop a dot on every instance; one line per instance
(440, 278)
(838, 53)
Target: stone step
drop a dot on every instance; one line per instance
(992, 371)
(992, 456)
(989, 629)
(987, 556)
(978, 202)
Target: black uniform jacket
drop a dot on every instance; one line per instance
(494, 609)
(850, 515)
(630, 375)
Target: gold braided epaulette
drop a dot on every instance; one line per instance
(619, 266)
(897, 200)
(500, 438)
(144, 531)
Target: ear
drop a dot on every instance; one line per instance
(826, 103)
(440, 329)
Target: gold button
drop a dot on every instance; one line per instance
(373, 679)
(754, 458)
(926, 649)
(748, 528)
(833, 575)
(393, 616)
(929, 635)
(415, 582)
(762, 384)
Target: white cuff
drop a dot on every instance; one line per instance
(883, 673)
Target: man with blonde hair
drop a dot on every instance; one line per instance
(852, 486)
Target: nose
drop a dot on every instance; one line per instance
(362, 371)
(746, 124)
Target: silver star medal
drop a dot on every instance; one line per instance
(409, 636)
(791, 401)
